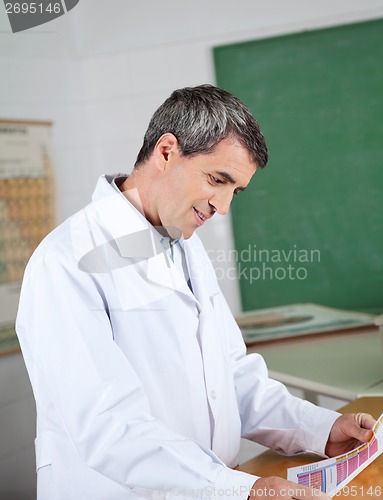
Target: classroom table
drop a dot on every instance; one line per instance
(342, 365)
(367, 485)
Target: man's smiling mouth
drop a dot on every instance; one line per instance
(200, 214)
(200, 217)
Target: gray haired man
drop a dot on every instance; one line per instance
(142, 383)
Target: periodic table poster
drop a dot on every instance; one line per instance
(27, 210)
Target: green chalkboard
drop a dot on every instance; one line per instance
(310, 226)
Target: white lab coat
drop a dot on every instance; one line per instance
(142, 387)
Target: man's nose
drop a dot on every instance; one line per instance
(221, 202)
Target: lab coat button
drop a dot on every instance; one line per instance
(213, 395)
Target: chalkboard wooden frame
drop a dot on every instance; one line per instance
(310, 226)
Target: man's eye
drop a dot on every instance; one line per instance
(216, 180)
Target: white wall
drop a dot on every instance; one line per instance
(120, 25)
(99, 72)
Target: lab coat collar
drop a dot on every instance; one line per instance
(132, 235)
(123, 221)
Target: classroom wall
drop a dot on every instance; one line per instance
(41, 79)
(98, 73)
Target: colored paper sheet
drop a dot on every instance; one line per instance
(332, 474)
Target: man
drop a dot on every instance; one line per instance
(142, 383)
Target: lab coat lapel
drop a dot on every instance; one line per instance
(162, 270)
(132, 240)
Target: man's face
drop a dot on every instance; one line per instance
(193, 188)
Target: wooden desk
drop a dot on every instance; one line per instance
(272, 464)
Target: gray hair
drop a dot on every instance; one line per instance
(200, 117)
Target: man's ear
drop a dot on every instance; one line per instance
(165, 150)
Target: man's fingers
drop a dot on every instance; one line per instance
(365, 436)
(365, 420)
(364, 424)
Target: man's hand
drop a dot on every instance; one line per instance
(349, 431)
(277, 488)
